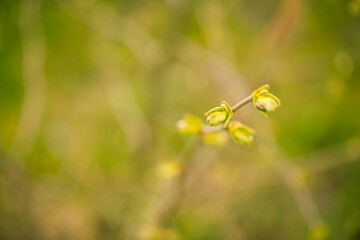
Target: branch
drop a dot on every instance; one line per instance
(242, 103)
(34, 79)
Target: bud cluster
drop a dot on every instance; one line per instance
(263, 101)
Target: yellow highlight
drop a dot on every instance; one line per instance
(320, 232)
(169, 169)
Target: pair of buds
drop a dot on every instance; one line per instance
(264, 101)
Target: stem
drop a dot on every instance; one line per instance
(171, 194)
(242, 103)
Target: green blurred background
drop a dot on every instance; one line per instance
(90, 92)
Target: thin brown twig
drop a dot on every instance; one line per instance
(281, 24)
(242, 103)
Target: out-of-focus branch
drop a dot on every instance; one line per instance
(221, 71)
(120, 94)
(292, 176)
(169, 195)
(301, 194)
(281, 24)
(331, 157)
(105, 21)
(33, 76)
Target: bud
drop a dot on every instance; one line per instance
(190, 125)
(241, 133)
(219, 115)
(264, 101)
(219, 138)
(267, 102)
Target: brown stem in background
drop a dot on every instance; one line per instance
(281, 24)
(167, 202)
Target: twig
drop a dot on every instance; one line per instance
(242, 103)
(281, 24)
(166, 203)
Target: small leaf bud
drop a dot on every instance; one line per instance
(241, 133)
(189, 125)
(219, 115)
(264, 101)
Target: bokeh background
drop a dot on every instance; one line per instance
(90, 92)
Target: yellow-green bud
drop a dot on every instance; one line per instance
(241, 133)
(189, 125)
(264, 101)
(216, 118)
(219, 115)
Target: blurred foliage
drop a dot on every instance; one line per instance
(90, 93)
